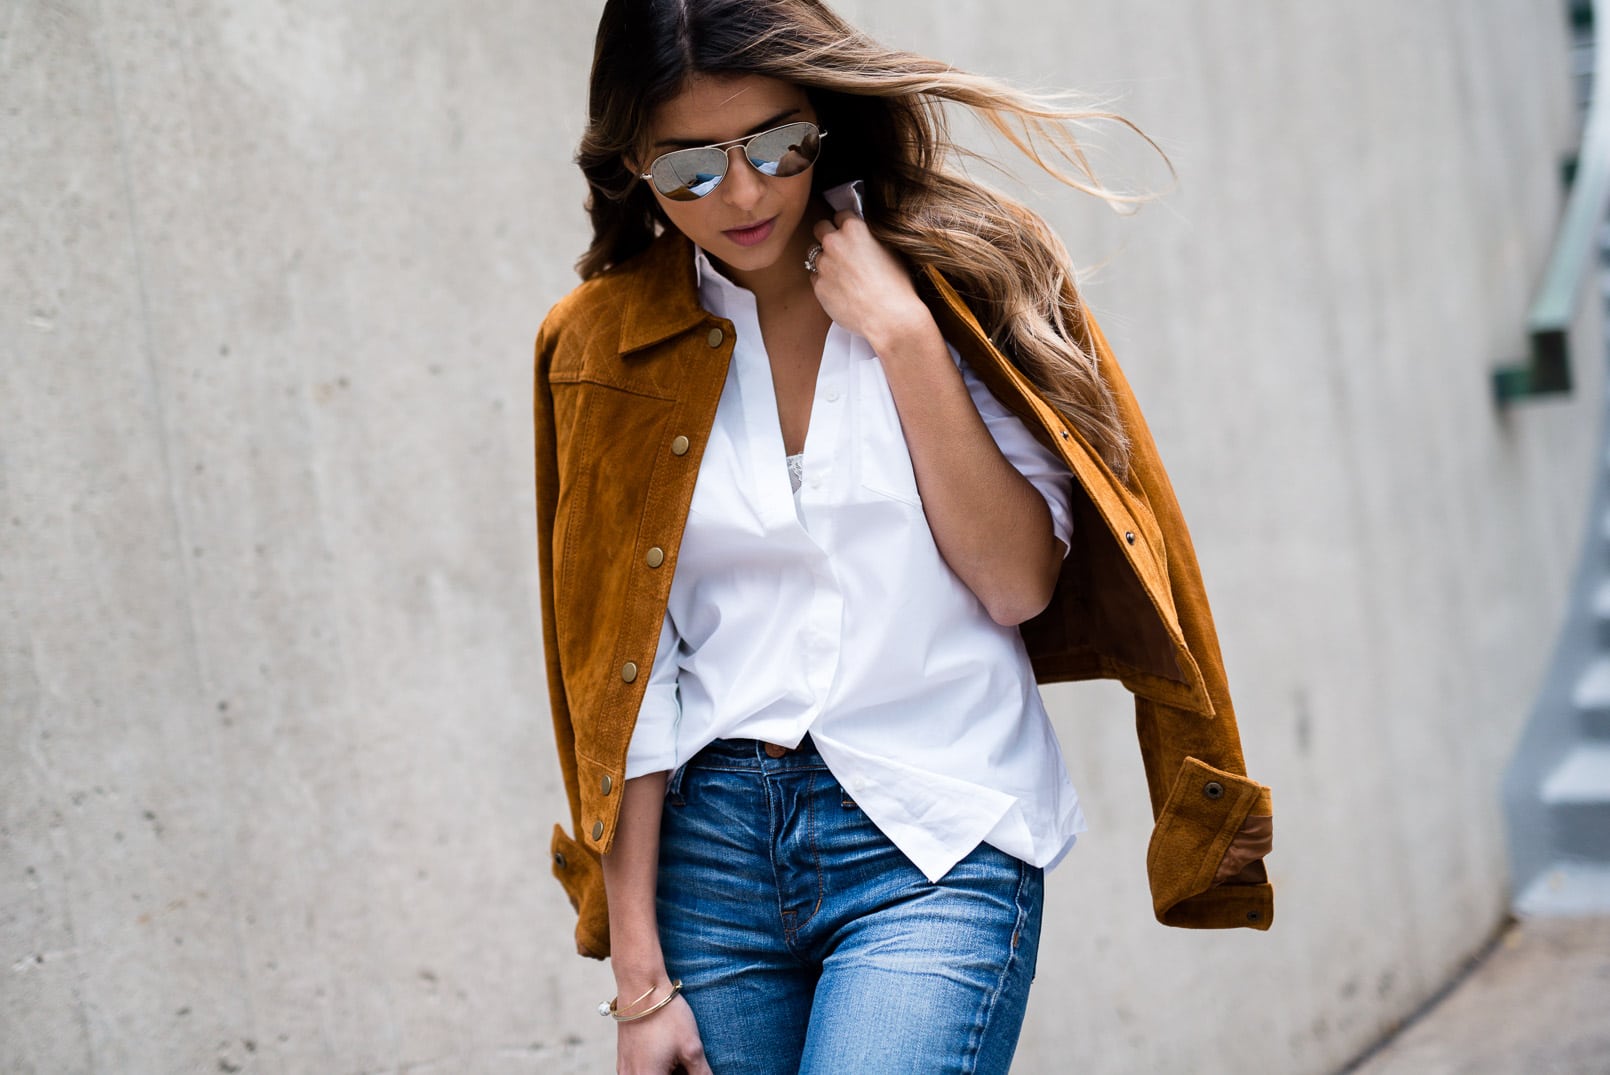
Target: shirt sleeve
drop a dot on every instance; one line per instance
(1044, 469)
(653, 744)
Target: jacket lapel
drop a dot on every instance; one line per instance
(665, 298)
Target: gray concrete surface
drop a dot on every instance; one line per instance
(1535, 1005)
(275, 767)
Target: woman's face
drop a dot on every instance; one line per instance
(750, 220)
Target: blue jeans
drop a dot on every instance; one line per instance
(807, 942)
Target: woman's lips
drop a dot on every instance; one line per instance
(752, 235)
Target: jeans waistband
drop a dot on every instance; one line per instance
(757, 754)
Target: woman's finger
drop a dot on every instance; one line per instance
(823, 227)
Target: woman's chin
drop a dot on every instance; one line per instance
(751, 259)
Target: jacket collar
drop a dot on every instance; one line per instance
(663, 297)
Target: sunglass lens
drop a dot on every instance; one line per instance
(786, 151)
(687, 174)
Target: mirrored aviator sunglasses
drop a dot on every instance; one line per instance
(685, 175)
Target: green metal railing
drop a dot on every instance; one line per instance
(1548, 323)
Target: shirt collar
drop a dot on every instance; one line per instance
(701, 266)
(717, 293)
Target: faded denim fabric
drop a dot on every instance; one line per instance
(807, 942)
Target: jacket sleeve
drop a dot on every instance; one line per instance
(576, 866)
(1213, 824)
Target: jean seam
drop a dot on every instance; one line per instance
(784, 915)
(816, 853)
(975, 1044)
(792, 922)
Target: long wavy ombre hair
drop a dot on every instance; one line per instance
(885, 109)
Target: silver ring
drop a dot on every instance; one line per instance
(810, 257)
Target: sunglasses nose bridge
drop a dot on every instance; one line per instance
(739, 177)
(743, 155)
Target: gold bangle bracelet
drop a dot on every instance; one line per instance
(611, 1011)
(607, 1007)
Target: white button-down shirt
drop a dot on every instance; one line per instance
(830, 611)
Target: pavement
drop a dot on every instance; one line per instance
(1537, 1003)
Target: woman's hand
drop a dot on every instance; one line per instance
(664, 1042)
(862, 285)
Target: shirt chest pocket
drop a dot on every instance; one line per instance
(880, 450)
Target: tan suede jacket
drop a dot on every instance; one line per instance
(629, 368)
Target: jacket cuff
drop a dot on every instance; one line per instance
(1229, 906)
(582, 875)
(1206, 811)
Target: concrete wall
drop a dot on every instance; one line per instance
(276, 772)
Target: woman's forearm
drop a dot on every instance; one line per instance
(629, 879)
(990, 523)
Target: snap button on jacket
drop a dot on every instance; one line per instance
(629, 369)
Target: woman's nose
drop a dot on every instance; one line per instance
(743, 185)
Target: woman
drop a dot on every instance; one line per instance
(811, 525)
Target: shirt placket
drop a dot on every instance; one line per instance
(820, 630)
(823, 486)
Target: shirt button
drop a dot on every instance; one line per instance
(715, 337)
(1213, 789)
(816, 481)
(559, 859)
(598, 830)
(655, 557)
(1129, 536)
(679, 446)
(832, 395)
(629, 671)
